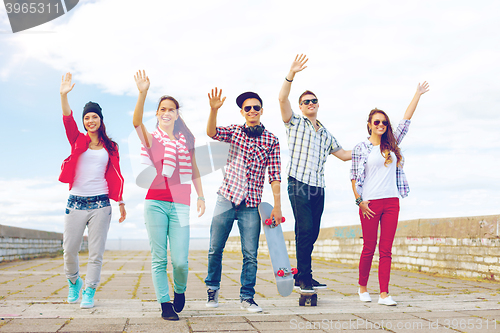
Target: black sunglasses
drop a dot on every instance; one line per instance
(249, 107)
(377, 122)
(306, 101)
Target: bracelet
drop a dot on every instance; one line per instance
(287, 79)
(359, 200)
(121, 202)
(201, 198)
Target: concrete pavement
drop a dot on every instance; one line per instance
(33, 293)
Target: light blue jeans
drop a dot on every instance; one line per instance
(249, 224)
(168, 222)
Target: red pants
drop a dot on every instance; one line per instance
(386, 212)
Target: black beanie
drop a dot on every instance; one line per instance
(92, 107)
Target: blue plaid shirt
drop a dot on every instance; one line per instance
(360, 156)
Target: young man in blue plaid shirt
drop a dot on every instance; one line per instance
(310, 144)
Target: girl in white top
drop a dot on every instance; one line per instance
(378, 181)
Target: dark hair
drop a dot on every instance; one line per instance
(307, 92)
(110, 145)
(179, 125)
(387, 141)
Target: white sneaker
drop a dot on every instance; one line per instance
(386, 301)
(250, 305)
(213, 298)
(364, 297)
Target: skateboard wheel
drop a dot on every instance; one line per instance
(280, 273)
(294, 270)
(269, 222)
(302, 301)
(314, 300)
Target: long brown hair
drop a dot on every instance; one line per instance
(179, 125)
(110, 145)
(387, 141)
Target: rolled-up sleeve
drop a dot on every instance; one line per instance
(401, 130)
(274, 163)
(356, 155)
(224, 134)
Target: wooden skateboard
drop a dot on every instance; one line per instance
(283, 272)
(308, 298)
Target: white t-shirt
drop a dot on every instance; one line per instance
(89, 175)
(380, 180)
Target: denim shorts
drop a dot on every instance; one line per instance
(87, 203)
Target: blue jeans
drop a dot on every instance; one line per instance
(249, 224)
(168, 221)
(307, 205)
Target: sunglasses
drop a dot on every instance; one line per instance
(377, 122)
(307, 101)
(249, 107)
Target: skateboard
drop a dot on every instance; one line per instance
(283, 272)
(308, 298)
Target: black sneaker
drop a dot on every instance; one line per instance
(306, 287)
(167, 312)
(315, 284)
(179, 301)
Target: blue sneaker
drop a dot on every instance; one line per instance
(74, 290)
(87, 298)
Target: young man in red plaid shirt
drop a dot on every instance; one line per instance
(252, 150)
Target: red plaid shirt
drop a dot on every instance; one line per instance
(246, 164)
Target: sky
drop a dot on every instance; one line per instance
(362, 54)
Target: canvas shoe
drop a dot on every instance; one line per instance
(387, 301)
(306, 287)
(213, 298)
(74, 290)
(250, 305)
(315, 284)
(364, 297)
(87, 298)
(179, 301)
(167, 311)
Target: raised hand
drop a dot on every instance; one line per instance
(299, 63)
(423, 88)
(215, 99)
(66, 85)
(142, 81)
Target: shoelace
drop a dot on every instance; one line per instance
(211, 295)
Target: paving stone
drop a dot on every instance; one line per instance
(34, 293)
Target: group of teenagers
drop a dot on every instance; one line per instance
(93, 173)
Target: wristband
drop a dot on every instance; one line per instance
(287, 79)
(121, 202)
(359, 200)
(201, 198)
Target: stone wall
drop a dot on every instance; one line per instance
(20, 243)
(462, 246)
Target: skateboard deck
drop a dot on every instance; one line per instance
(277, 251)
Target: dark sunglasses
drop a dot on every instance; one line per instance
(377, 122)
(306, 101)
(249, 107)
